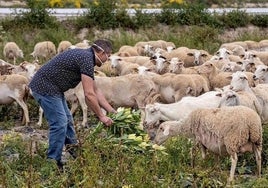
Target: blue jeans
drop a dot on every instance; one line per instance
(60, 120)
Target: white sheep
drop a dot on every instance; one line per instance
(63, 45)
(156, 112)
(44, 50)
(176, 66)
(127, 51)
(218, 78)
(263, 45)
(257, 56)
(261, 73)
(12, 52)
(240, 83)
(14, 87)
(223, 131)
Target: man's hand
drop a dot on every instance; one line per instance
(106, 120)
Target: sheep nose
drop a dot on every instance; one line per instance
(152, 136)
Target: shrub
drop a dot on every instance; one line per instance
(260, 20)
(235, 19)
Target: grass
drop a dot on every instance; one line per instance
(108, 157)
(117, 157)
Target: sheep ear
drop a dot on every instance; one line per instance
(166, 131)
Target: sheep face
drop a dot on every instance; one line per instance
(162, 133)
(152, 115)
(260, 72)
(239, 81)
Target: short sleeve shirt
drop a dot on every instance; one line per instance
(63, 72)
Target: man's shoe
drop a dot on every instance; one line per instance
(59, 164)
(73, 150)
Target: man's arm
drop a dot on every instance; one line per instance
(92, 99)
(102, 100)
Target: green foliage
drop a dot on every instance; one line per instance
(260, 20)
(144, 20)
(235, 19)
(101, 14)
(37, 17)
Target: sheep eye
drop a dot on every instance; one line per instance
(263, 70)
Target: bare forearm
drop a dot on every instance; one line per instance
(104, 103)
(93, 103)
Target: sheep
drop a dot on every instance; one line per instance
(190, 57)
(123, 67)
(240, 83)
(232, 45)
(244, 98)
(12, 51)
(14, 87)
(259, 55)
(84, 45)
(223, 131)
(217, 78)
(252, 45)
(126, 51)
(263, 45)
(225, 54)
(44, 50)
(146, 48)
(172, 87)
(176, 66)
(63, 45)
(232, 66)
(156, 112)
(140, 60)
(250, 65)
(261, 73)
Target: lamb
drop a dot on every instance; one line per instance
(12, 52)
(223, 131)
(14, 87)
(63, 45)
(44, 50)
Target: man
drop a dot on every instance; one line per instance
(61, 73)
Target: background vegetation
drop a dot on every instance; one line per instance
(122, 156)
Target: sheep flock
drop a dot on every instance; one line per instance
(218, 100)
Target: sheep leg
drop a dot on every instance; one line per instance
(257, 152)
(26, 118)
(233, 167)
(83, 105)
(193, 154)
(39, 123)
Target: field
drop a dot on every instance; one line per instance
(120, 156)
